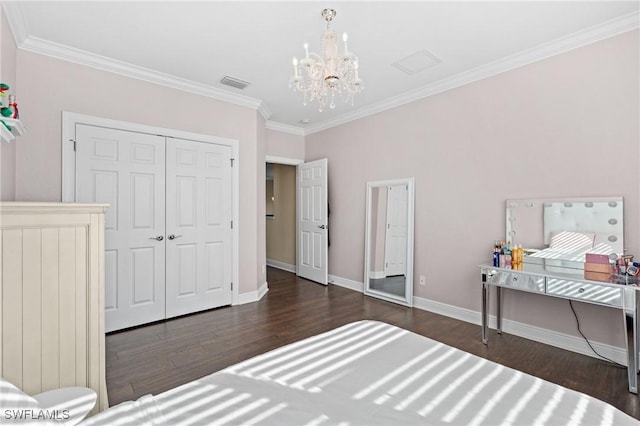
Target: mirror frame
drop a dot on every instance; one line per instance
(408, 299)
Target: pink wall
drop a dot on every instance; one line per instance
(286, 145)
(8, 76)
(566, 126)
(50, 86)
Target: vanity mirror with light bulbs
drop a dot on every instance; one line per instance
(566, 229)
(388, 272)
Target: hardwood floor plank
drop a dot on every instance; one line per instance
(158, 357)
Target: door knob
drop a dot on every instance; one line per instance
(159, 238)
(321, 226)
(173, 237)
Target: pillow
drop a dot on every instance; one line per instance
(18, 408)
(11, 397)
(568, 242)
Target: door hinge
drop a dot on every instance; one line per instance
(74, 143)
(231, 224)
(232, 285)
(231, 162)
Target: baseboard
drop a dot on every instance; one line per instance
(264, 288)
(252, 296)
(281, 265)
(538, 334)
(346, 283)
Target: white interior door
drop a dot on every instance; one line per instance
(312, 221)
(395, 252)
(199, 236)
(126, 170)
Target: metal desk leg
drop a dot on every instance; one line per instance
(631, 327)
(485, 309)
(499, 310)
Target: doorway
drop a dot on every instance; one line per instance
(281, 216)
(311, 218)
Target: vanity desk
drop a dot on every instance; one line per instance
(565, 279)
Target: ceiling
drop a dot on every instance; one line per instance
(192, 45)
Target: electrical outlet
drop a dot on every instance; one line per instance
(423, 280)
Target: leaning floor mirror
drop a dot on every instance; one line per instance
(388, 266)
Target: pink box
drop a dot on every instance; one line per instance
(597, 267)
(597, 276)
(596, 258)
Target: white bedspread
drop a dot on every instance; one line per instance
(366, 373)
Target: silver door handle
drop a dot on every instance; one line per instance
(173, 237)
(159, 238)
(321, 226)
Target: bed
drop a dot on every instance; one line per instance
(365, 373)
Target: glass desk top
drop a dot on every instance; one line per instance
(565, 269)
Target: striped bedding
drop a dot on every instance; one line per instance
(366, 373)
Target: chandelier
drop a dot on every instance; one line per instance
(323, 77)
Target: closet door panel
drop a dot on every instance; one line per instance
(215, 266)
(199, 211)
(127, 170)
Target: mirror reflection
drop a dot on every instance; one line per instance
(389, 241)
(568, 228)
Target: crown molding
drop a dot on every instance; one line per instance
(264, 110)
(78, 56)
(20, 30)
(285, 128)
(17, 22)
(578, 39)
(15, 17)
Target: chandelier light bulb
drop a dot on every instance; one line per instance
(321, 76)
(345, 37)
(295, 67)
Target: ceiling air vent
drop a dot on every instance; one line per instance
(234, 82)
(419, 61)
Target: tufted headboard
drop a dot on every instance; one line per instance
(604, 218)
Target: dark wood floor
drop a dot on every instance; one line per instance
(160, 356)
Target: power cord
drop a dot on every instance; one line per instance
(589, 343)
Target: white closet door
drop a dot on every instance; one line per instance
(396, 239)
(126, 170)
(199, 214)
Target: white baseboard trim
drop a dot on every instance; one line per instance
(281, 265)
(538, 334)
(252, 296)
(346, 283)
(264, 288)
